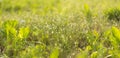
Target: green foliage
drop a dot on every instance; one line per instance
(55, 53)
(87, 11)
(59, 29)
(34, 52)
(84, 54)
(113, 14)
(94, 54)
(12, 44)
(113, 36)
(23, 32)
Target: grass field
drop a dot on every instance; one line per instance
(59, 29)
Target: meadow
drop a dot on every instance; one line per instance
(59, 28)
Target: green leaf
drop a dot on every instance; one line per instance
(94, 54)
(23, 32)
(116, 32)
(55, 53)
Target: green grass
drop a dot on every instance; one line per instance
(59, 29)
